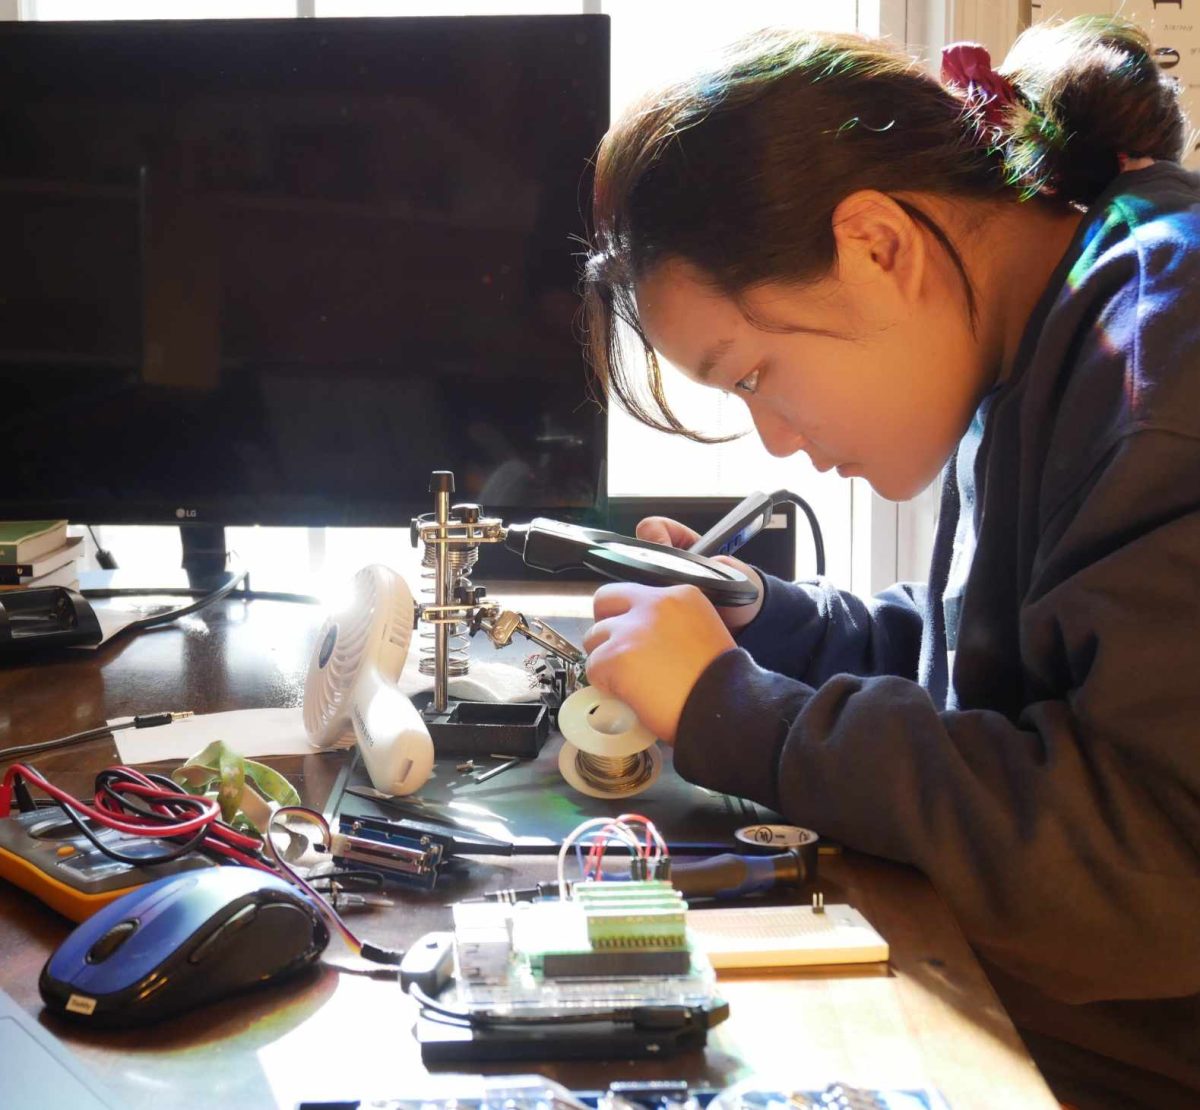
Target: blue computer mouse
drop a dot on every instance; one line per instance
(179, 942)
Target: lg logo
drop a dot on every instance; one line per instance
(185, 514)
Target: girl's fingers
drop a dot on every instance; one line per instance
(664, 530)
(597, 635)
(613, 599)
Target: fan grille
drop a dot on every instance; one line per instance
(327, 688)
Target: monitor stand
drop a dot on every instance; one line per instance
(205, 555)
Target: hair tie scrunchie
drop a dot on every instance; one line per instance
(968, 66)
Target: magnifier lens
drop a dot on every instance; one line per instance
(684, 567)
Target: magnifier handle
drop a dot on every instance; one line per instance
(737, 527)
(552, 545)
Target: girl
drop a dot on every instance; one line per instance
(994, 277)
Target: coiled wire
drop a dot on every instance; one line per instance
(615, 774)
(460, 560)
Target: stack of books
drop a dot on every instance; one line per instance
(38, 553)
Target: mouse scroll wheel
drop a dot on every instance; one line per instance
(111, 941)
(217, 938)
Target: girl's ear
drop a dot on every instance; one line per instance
(878, 243)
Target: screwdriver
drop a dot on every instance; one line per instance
(733, 875)
(728, 875)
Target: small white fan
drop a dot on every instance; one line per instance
(352, 676)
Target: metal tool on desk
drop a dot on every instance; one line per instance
(475, 829)
(407, 850)
(486, 773)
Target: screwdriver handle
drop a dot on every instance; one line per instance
(730, 875)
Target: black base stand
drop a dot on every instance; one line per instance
(445, 1041)
(486, 728)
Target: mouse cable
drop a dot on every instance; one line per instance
(146, 720)
(373, 952)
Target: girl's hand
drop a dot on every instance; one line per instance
(648, 647)
(664, 530)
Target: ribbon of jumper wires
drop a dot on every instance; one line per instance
(603, 830)
(152, 806)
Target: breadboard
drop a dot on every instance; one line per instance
(784, 936)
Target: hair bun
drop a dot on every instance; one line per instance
(1090, 92)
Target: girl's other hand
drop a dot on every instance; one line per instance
(648, 647)
(670, 533)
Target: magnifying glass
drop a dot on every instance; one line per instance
(553, 545)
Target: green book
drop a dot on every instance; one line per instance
(22, 541)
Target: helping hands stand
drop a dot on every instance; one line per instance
(452, 535)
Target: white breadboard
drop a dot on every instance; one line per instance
(785, 936)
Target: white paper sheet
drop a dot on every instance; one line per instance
(250, 732)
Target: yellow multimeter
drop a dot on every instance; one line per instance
(44, 853)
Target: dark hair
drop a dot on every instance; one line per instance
(738, 171)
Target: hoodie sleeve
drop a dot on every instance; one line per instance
(812, 631)
(1062, 835)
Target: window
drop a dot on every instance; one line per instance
(651, 44)
(157, 9)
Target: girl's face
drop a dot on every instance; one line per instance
(874, 372)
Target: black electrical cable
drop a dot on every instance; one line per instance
(100, 593)
(145, 720)
(105, 558)
(236, 578)
(190, 845)
(355, 881)
(818, 540)
(466, 1017)
(111, 775)
(115, 775)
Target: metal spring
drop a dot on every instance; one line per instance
(459, 562)
(615, 774)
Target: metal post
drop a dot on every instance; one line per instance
(441, 486)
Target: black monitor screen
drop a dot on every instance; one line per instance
(277, 271)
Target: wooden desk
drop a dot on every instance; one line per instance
(929, 1018)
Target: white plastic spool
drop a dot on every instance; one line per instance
(600, 725)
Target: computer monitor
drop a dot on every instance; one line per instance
(278, 271)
